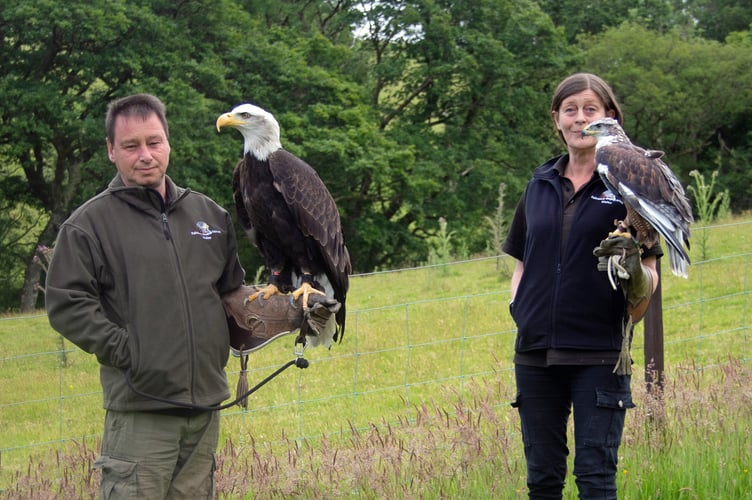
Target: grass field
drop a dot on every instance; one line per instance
(415, 402)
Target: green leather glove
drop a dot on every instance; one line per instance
(620, 257)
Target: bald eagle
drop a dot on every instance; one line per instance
(653, 196)
(289, 215)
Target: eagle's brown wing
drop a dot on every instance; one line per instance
(317, 217)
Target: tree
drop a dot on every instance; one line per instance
(456, 81)
(579, 17)
(48, 106)
(716, 19)
(19, 224)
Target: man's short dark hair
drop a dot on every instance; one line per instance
(141, 105)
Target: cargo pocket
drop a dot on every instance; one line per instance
(607, 424)
(617, 400)
(119, 478)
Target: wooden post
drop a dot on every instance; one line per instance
(653, 322)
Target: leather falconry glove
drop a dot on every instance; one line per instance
(620, 257)
(254, 323)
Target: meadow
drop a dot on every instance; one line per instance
(415, 402)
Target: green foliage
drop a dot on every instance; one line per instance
(409, 110)
(441, 245)
(710, 205)
(718, 18)
(497, 225)
(19, 226)
(455, 83)
(712, 19)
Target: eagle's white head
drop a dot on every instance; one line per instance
(607, 131)
(259, 128)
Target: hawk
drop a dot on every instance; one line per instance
(653, 196)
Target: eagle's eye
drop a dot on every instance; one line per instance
(245, 115)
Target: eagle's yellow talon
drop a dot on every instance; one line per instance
(261, 293)
(305, 290)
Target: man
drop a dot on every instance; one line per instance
(137, 279)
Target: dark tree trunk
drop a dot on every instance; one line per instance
(33, 273)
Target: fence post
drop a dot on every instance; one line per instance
(653, 323)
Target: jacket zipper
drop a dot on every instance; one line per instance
(190, 341)
(186, 300)
(165, 227)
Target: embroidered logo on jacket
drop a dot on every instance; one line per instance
(204, 230)
(607, 198)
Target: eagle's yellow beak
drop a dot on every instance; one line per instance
(227, 120)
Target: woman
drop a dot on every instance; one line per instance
(571, 322)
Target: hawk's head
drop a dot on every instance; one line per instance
(607, 130)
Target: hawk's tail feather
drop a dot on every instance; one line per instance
(673, 233)
(679, 264)
(676, 253)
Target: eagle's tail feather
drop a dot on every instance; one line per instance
(325, 336)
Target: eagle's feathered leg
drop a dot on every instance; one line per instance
(306, 289)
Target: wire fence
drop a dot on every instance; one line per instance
(413, 336)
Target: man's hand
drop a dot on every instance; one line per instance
(620, 257)
(254, 323)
